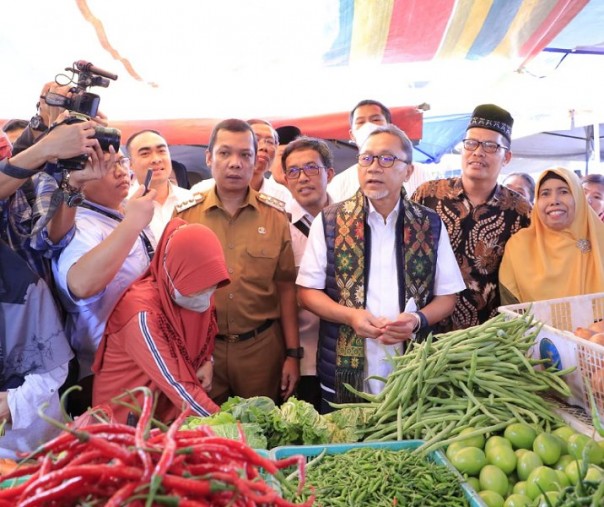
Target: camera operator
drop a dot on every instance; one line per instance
(26, 192)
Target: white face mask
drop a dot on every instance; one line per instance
(362, 133)
(199, 303)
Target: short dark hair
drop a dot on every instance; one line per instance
(598, 179)
(370, 102)
(136, 134)
(232, 125)
(528, 179)
(406, 143)
(11, 125)
(309, 143)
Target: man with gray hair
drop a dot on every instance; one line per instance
(378, 270)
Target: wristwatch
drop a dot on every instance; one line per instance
(296, 353)
(72, 196)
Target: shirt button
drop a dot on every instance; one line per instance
(231, 246)
(231, 295)
(231, 270)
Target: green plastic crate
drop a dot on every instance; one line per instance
(438, 457)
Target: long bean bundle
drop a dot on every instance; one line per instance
(480, 377)
(380, 477)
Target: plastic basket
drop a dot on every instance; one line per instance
(558, 342)
(438, 457)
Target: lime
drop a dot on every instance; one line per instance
(469, 460)
(563, 478)
(516, 500)
(564, 460)
(453, 448)
(541, 479)
(520, 435)
(572, 471)
(595, 453)
(503, 457)
(576, 443)
(520, 488)
(520, 452)
(476, 441)
(564, 432)
(496, 440)
(474, 483)
(594, 474)
(526, 464)
(493, 479)
(491, 498)
(552, 499)
(547, 447)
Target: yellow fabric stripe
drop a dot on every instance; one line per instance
(528, 18)
(464, 27)
(370, 28)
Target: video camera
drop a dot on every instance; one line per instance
(84, 106)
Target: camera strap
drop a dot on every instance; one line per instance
(144, 238)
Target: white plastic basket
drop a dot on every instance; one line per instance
(558, 342)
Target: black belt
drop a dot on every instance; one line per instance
(233, 338)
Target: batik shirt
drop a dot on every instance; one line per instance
(478, 236)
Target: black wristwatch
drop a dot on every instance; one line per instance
(72, 196)
(296, 353)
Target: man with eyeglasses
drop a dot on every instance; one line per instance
(378, 270)
(308, 168)
(257, 348)
(479, 213)
(147, 149)
(110, 249)
(268, 142)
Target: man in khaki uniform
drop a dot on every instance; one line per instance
(257, 348)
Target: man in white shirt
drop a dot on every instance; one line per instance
(378, 270)
(308, 168)
(147, 149)
(365, 117)
(110, 249)
(268, 141)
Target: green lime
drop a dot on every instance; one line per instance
(520, 435)
(496, 440)
(520, 488)
(576, 443)
(493, 479)
(526, 464)
(564, 460)
(503, 457)
(516, 500)
(547, 447)
(469, 460)
(541, 479)
(572, 471)
(491, 498)
(453, 448)
(475, 441)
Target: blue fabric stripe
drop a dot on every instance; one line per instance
(159, 361)
(494, 28)
(339, 53)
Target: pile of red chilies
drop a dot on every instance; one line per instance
(115, 464)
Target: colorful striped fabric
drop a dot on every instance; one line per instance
(403, 31)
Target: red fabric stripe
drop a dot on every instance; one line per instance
(416, 30)
(562, 14)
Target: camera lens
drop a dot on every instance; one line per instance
(108, 137)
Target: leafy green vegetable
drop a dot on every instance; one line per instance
(344, 424)
(253, 433)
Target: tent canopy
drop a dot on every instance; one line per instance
(284, 60)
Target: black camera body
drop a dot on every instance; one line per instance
(84, 106)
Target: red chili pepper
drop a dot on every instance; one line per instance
(142, 428)
(62, 491)
(121, 495)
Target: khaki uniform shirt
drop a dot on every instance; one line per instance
(258, 250)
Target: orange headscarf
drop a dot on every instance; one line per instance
(193, 257)
(541, 263)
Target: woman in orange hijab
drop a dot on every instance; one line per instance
(161, 332)
(561, 253)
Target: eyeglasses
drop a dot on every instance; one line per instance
(124, 163)
(293, 173)
(267, 140)
(366, 159)
(487, 146)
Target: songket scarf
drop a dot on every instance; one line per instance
(416, 252)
